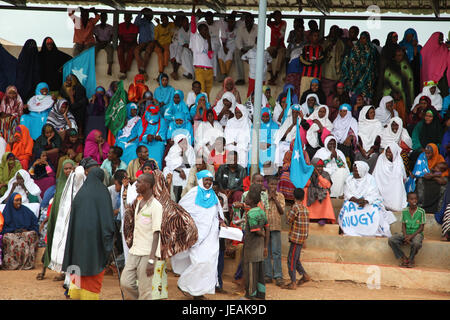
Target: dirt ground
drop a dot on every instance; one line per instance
(22, 285)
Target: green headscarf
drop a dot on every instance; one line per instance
(60, 184)
(5, 174)
(116, 113)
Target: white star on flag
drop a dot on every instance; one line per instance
(80, 74)
(297, 155)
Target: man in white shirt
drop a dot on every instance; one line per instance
(216, 30)
(250, 57)
(180, 54)
(226, 50)
(245, 40)
(143, 219)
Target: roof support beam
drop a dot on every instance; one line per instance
(435, 6)
(17, 3)
(116, 4)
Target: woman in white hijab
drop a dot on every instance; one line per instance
(390, 176)
(207, 132)
(335, 165)
(385, 110)
(345, 130)
(369, 134)
(310, 104)
(361, 189)
(179, 160)
(431, 91)
(237, 134)
(225, 107)
(73, 184)
(197, 266)
(395, 133)
(320, 128)
(23, 184)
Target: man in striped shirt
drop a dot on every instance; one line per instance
(312, 59)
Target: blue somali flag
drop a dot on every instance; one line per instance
(83, 67)
(300, 171)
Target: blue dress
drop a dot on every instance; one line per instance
(184, 128)
(173, 108)
(128, 132)
(156, 126)
(39, 106)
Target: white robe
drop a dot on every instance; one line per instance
(382, 113)
(219, 106)
(436, 98)
(368, 130)
(197, 266)
(390, 178)
(311, 135)
(238, 131)
(174, 160)
(73, 185)
(206, 133)
(29, 184)
(388, 136)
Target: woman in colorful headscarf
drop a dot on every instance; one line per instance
(320, 128)
(164, 93)
(237, 134)
(335, 164)
(431, 173)
(11, 109)
(96, 147)
(176, 105)
(200, 106)
(96, 111)
(286, 88)
(397, 77)
(228, 86)
(61, 118)
(413, 50)
(75, 94)
(125, 136)
(180, 125)
(50, 142)
(314, 89)
(417, 113)
(369, 137)
(267, 133)
(137, 88)
(21, 144)
(23, 184)
(152, 133)
(390, 176)
(345, 130)
(20, 235)
(113, 86)
(51, 61)
(28, 71)
(341, 95)
(435, 61)
(359, 67)
(147, 99)
(361, 189)
(385, 110)
(39, 107)
(208, 130)
(72, 148)
(268, 98)
(197, 266)
(43, 173)
(225, 108)
(8, 168)
(68, 166)
(317, 195)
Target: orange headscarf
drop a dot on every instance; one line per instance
(136, 90)
(23, 150)
(437, 158)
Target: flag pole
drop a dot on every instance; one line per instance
(258, 85)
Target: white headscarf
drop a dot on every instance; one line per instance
(40, 103)
(285, 126)
(341, 127)
(436, 98)
(382, 113)
(324, 153)
(305, 107)
(368, 130)
(311, 134)
(388, 136)
(363, 187)
(174, 159)
(219, 106)
(390, 177)
(29, 184)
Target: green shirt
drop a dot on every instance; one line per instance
(254, 243)
(413, 222)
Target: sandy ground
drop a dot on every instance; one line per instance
(22, 285)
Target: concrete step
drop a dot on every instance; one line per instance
(432, 229)
(434, 254)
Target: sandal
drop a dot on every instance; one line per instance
(40, 276)
(60, 277)
(404, 262)
(290, 286)
(411, 264)
(303, 280)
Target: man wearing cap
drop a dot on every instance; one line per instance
(198, 265)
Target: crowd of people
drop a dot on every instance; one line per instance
(147, 176)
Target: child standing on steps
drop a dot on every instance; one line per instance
(299, 224)
(413, 222)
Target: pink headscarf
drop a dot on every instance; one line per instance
(91, 147)
(435, 59)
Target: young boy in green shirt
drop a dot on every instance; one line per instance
(413, 222)
(256, 240)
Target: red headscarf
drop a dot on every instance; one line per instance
(136, 90)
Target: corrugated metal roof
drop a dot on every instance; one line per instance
(404, 6)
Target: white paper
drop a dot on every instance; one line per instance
(231, 233)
